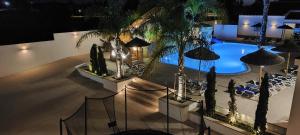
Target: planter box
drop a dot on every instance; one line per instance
(108, 82)
(217, 125)
(178, 111)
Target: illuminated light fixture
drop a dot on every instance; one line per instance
(23, 46)
(273, 25)
(246, 23)
(134, 48)
(6, 3)
(113, 53)
(75, 34)
(232, 119)
(124, 56)
(79, 10)
(216, 22)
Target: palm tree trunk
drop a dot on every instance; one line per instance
(181, 77)
(116, 47)
(119, 68)
(262, 38)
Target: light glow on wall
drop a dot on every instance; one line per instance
(75, 34)
(246, 23)
(23, 47)
(274, 25)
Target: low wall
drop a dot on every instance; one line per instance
(108, 82)
(177, 111)
(20, 57)
(247, 21)
(217, 125)
(225, 32)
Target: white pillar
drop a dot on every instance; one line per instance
(294, 121)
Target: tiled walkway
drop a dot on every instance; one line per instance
(32, 102)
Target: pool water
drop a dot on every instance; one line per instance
(229, 62)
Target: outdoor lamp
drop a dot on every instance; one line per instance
(113, 53)
(124, 56)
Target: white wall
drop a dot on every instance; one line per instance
(294, 121)
(225, 32)
(246, 21)
(19, 57)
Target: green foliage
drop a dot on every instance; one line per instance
(262, 106)
(238, 124)
(232, 102)
(93, 59)
(209, 94)
(152, 33)
(98, 65)
(169, 27)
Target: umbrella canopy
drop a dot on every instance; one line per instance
(285, 27)
(258, 25)
(288, 47)
(137, 42)
(262, 57)
(202, 53)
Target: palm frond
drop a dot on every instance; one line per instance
(90, 34)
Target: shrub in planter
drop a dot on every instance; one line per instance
(262, 106)
(232, 104)
(93, 59)
(209, 94)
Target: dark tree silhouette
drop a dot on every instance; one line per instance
(202, 126)
(232, 103)
(93, 58)
(262, 106)
(210, 100)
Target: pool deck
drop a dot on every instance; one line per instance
(279, 104)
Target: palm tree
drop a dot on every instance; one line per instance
(175, 20)
(113, 20)
(175, 32)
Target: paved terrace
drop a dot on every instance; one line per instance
(32, 102)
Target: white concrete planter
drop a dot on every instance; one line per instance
(217, 125)
(108, 82)
(178, 111)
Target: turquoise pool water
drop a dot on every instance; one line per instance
(229, 62)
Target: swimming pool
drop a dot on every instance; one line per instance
(229, 62)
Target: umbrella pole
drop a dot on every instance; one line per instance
(199, 70)
(283, 35)
(260, 73)
(287, 63)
